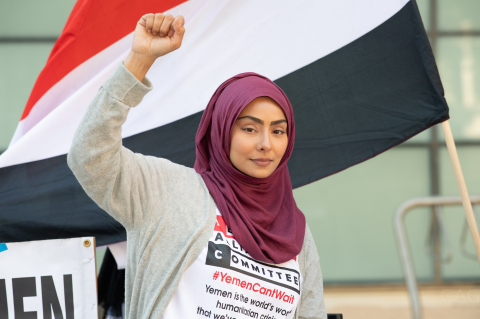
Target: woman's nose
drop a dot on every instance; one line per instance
(264, 143)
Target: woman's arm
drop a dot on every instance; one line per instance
(311, 305)
(125, 184)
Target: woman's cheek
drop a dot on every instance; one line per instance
(280, 147)
(244, 147)
(238, 148)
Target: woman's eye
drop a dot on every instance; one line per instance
(279, 132)
(249, 129)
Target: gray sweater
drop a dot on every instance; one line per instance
(166, 208)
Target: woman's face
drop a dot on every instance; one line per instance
(259, 138)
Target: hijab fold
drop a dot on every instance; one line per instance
(261, 212)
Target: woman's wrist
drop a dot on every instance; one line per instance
(138, 64)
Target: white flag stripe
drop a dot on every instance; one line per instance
(223, 38)
(72, 82)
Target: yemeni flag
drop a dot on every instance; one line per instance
(360, 75)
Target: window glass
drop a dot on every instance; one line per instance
(25, 61)
(424, 8)
(30, 18)
(350, 215)
(458, 15)
(458, 60)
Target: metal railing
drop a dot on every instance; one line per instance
(402, 241)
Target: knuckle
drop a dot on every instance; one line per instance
(169, 17)
(159, 15)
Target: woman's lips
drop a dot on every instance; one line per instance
(262, 161)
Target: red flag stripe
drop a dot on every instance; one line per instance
(92, 26)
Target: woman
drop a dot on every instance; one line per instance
(222, 239)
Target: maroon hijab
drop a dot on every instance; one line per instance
(261, 212)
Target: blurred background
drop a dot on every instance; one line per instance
(350, 213)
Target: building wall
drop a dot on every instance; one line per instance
(350, 213)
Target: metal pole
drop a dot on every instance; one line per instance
(404, 249)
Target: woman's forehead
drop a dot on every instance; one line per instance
(263, 106)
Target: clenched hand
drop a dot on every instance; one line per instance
(155, 35)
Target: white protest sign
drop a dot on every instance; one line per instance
(48, 279)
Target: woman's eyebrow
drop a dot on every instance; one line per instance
(252, 118)
(278, 122)
(260, 121)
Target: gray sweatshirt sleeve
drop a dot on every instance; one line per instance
(125, 184)
(311, 305)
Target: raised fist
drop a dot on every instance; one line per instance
(158, 34)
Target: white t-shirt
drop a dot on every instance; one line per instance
(224, 282)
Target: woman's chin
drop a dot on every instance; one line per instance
(259, 172)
